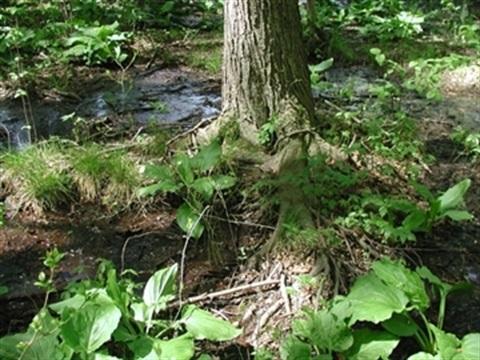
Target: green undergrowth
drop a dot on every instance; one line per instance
(389, 304)
(114, 316)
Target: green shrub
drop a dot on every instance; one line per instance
(106, 318)
(396, 300)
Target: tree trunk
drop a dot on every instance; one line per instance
(265, 70)
(265, 76)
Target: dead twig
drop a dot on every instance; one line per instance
(265, 317)
(283, 291)
(189, 131)
(225, 292)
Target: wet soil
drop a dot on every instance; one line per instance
(148, 240)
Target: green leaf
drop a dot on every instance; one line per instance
(208, 156)
(416, 220)
(324, 330)
(160, 287)
(446, 344)
(222, 182)
(105, 357)
(119, 296)
(8, 345)
(164, 186)
(158, 172)
(371, 344)
(401, 325)
(203, 325)
(74, 302)
(294, 349)
(424, 356)
(423, 191)
(398, 276)
(374, 301)
(91, 326)
(323, 66)
(458, 215)
(36, 345)
(142, 348)
(470, 347)
(179, 348)
(184, 168)
(426, 274)
(189, 221)
(454, 196)
(205, 186)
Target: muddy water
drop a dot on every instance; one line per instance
(165, 96)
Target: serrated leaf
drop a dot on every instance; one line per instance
(374, 301)
(189, 221)
(371, 344)
(203, 325)
(90, 327)
(454, 196)
(208, 156)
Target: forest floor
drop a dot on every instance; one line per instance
(149, 240)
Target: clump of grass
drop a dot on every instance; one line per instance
(106, 174)
(50, 174)
(123, 179)
(37, 177)
(209, 60)
(88, 171)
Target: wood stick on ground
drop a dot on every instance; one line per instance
(265, 317)
(234, 290)
(283, 291)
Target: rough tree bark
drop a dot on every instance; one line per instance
(265, 76)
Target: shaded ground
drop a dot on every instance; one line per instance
(147, 241)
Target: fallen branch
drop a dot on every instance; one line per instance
(234, 290)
